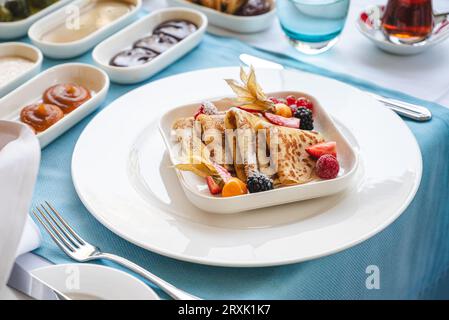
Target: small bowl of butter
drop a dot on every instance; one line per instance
(18, 63)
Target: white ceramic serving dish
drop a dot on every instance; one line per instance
(85, 281)
(25, 51)
(369, 24)
(196, 189)
(231, 22)
(75, 48)
(17, 29)
(91, 77)
(124, 39)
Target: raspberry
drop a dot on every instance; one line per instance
(274, 100)
(304, 103)
(327, 167)
(291, 100)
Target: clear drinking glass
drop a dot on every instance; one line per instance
(312, 26)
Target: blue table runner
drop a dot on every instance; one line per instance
(412, 254)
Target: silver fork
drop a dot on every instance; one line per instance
(80, 250)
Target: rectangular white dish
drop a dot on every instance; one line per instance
(17, 29)
(76, 48)
(94, 79)
(124, 39)
(22, 50)
(231, 22)
(196, 188)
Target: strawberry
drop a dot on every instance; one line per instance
(282, 121)
(249, 110)
(222, 172)
(214, 187)
(320, 149)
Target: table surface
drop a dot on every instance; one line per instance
(333, 60)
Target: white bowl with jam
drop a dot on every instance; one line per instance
(150, 44)
(79, 26)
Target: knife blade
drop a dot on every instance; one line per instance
(23, 281)
(409, 110)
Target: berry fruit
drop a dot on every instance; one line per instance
(213, 186)
(305, 117)
(206, 107)
(274, 100)
(258, 182)
(234, 187)
(320, 149)
(327, 167)
(291, 100)
(304, 103)
(283, 110)
(282, 121)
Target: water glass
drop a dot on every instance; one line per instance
(312, 26)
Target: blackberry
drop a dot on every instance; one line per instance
(305, 117)
(258, 182)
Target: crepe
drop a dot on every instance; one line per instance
(278, 152)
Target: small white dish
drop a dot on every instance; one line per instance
(196, 189)
(369, 24)
(239, 24)
(84, 281)
(17, 29)
(76, 48)
(124, 39)
(88, 76)
(22, 50)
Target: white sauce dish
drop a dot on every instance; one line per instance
(47, 33)
(90, 77)
(16, 73)
(105, 51)
(239, 24)
(94, 282)
(17, 29)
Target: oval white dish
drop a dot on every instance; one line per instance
(231, 22)
(87, 281)
(25, 51)
(196, 189)
(123, 175)
(369, 24)
(75, 48)
(17, 29)
(124, 39)
(88, 76)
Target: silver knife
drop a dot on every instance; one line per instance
(409, 110)
(23, 281)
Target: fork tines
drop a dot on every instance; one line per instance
(59, 230)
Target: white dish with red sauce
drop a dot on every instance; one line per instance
(31, 92)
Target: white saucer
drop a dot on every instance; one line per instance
(123, 174)
(369, 24)
(94, 282)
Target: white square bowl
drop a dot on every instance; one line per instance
(92, 78)
(198, 193)
(124, 39)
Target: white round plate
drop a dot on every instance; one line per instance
(94, 282)
(123, 175)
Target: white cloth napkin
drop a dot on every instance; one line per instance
(19, 164)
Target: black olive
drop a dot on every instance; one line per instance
(18, 8)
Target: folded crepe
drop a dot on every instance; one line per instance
(213, 136)
(279, 152)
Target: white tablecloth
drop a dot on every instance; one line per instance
(423, 76)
